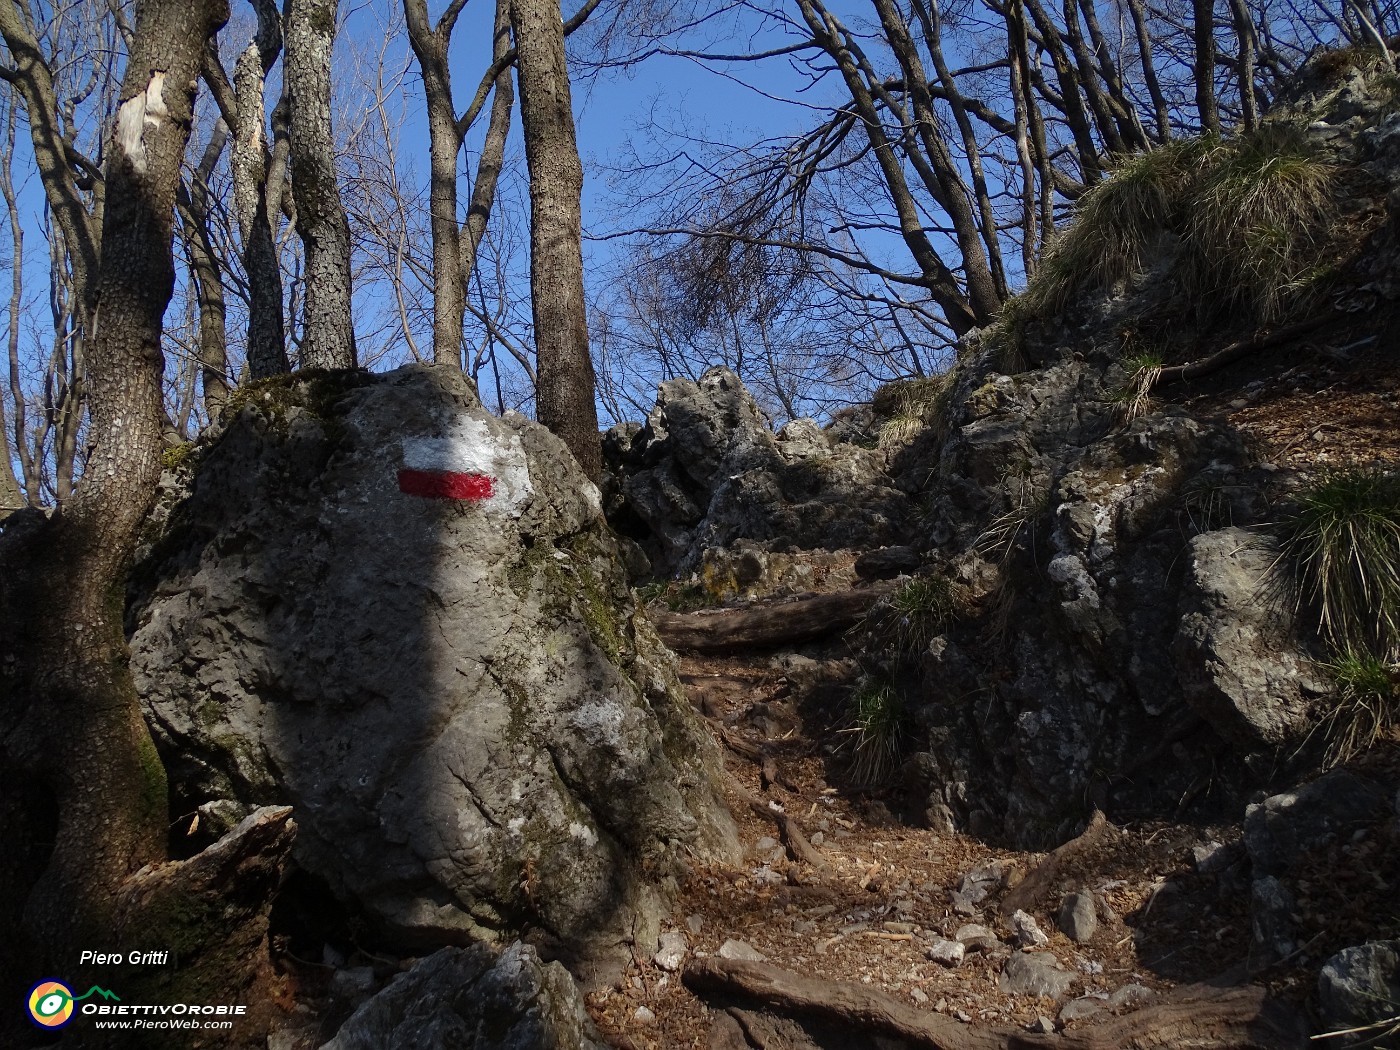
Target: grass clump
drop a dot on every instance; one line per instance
(1366, 704)
(1342, 544)
(1250, 214)
(877, 711)
(1117, 225)
(912, 406)
(913, 615)
(1135, 399)
(1257, 217)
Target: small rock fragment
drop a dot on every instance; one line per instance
(1028, 933)
(1042, 1025)
(946, 953)
(1130, 996)
(1083, 1007)
(644, 1016)
(672, 951)
(740, 951)
(354, 983)
(917, 994)
(1034, 973)
(977, 938)
(1078, 920)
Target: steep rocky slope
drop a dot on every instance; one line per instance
(1096, 614)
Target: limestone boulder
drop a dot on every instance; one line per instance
(467, 999)
(406, 618)
(1236, 658)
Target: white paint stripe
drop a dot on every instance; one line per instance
(469, 447)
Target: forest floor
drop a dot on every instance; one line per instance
(887, 891)
(886, 895)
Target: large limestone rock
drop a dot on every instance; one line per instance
(464, 999)
(1099, 660)
(706, 470)
(477, 733)
(1235, 655)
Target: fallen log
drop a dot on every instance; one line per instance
(1027, 893)
(1199, 1017)
(767, 624)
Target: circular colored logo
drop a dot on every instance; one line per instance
(50, 1004)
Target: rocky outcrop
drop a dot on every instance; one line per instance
(706, 470)
(467, 999)
(405, 618)
(1281, 831)
(1236, 659)
(1064, 527)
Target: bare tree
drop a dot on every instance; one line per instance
(328, 334)
(71, 709)
(564, 396)
(259, 174)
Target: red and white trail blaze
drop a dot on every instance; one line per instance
(469, 464)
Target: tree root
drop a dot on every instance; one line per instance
(1199, 1017)
(1028, 892)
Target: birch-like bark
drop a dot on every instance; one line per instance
(267, 349)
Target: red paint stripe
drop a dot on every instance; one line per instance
(446, 484)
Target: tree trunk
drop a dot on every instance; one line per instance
(204, 261)
(945, 182)
(564, 394)
(939, 279)
(493, 150)
(328, 336)
(1243, 20)
(444, 143)
(267, 347)
(1203, 22)
(1076, 116)
(1200, 1017)
(1138, 10)
(773, 623)
(71, 716)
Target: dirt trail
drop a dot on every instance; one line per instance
(885, 894)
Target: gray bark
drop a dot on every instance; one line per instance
(328, 336)
(564, 393)
(204, 261)
(70, 707)
(267, 351)
(493, 150)
(430, 46)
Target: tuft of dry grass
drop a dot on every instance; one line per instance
(1257, 217)
(913, 406)
(1117, 224)
(1252, 215)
